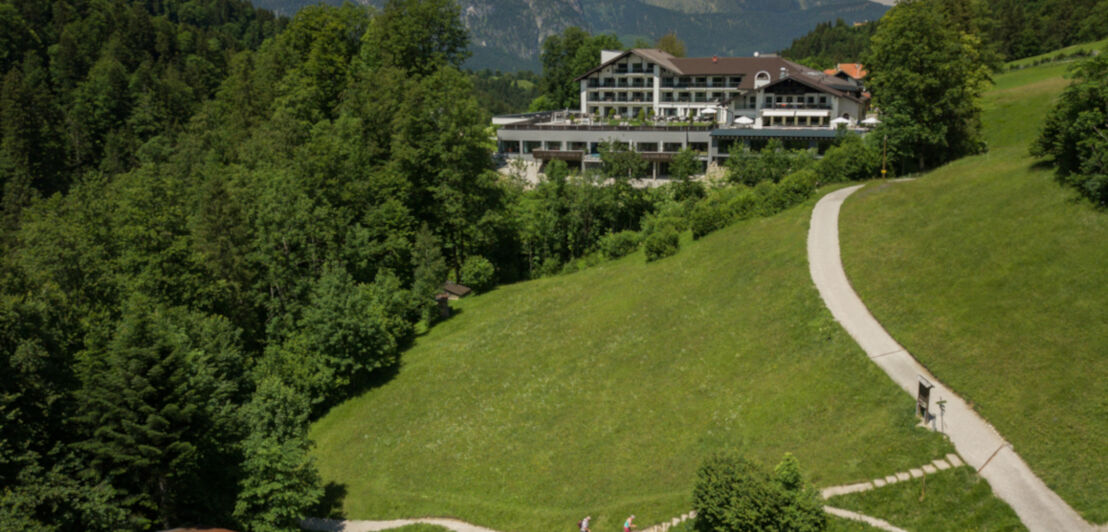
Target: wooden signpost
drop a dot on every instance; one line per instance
(923, 398)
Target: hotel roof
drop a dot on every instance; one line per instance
(747, 67)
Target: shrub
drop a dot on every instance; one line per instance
(616, 245)
(668, 215)
(550, 266)
(796, 187)
(478, 273)
(661, 244)
(743, 204)
(768, 201)
(706, 217)
(732, 493)
(852, 160)
(1073, 134)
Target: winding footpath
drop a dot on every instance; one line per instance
(975, 439)
(978, 443)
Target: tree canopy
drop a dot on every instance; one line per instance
(926, 76)
(1075, 134)
(566, 56)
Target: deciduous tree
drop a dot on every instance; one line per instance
(926, 77)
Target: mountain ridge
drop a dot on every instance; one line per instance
(508, 34)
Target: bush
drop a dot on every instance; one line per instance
(550, 266)
(706, 217)
(478, 273)
(662, 244)
(616, 245)
(1073, 134)
(796, 187)
(743, 204)
(667, 215)
(769, 203)
(733, 493)
(851, 160)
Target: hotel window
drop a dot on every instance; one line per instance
(822, 99)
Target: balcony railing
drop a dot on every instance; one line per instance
(798, 106)
(603, 127)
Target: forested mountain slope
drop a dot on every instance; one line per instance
(508, 34)
(193, 201)
(1013, 29)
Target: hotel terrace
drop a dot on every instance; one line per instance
(657, 104)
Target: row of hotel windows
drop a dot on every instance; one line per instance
(810, 101)
(680, 82)
(628, 112)
(529, 146)
(750, 102)
(634, 68)
(668, 97)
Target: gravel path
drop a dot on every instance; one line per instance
(975, 439)
(334, 525)
(855, 516)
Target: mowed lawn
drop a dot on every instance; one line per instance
(996, 278)
(955, 499)
(602, 391)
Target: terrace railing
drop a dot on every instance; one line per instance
(602, 127)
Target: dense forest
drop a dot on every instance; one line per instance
(216, 227)
(218, 223)
(831, 43)
(1013, 29)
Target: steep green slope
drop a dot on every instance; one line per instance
(601, 392)
(994, 277)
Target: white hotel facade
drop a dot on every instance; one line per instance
(770, 90)
(709, 104)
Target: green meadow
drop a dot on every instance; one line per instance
(601, 392)
(955, 499)
(994, 277)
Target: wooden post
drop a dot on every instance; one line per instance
(884, 156)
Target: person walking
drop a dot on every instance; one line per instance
(628, 524)
(584, 524)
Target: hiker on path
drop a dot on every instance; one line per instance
(584, 524)
(628, 525)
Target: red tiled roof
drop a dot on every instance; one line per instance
(854, 70)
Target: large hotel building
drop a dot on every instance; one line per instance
(658, 104)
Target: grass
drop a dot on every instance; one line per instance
(601, 392)
(1062, 54)
(955, 499)
(993, 276)
(839, 524)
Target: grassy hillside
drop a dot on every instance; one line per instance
(1060, 54)
(994, 277)
(955, 499)
(602, 391)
